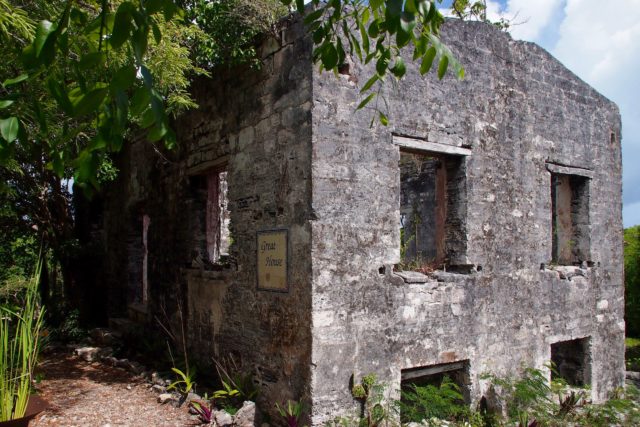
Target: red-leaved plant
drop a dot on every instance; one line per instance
(203, 411)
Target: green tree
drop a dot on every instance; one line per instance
(632, 280)
(81, 78)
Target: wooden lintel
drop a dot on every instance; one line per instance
(430, 147)
(569, 170)
(432, 370)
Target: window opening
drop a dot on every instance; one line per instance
(137, 272)
(570, 219)
(211, 221)
(431, 198)
(439, 376)
(146, 221)
(217, 216)
(572, 361)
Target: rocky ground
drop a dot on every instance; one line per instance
(82, 393)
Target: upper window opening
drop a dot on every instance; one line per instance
(433, 205)
(138, 255)
(217, 221)
(432, 211)
(211, 222)
(570, 219)
(423, 210)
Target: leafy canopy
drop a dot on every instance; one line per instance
(83, 80)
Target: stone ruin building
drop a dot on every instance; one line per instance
(479, 232)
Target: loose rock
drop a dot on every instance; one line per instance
(247, 416)
(222, 418)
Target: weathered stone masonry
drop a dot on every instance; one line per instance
(299, 157)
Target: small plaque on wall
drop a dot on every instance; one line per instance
(273, 260)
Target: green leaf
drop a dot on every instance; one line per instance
(407, 22)
(157, 132)
(59, 93)
(383, 119)
(399, 68)
(442, 67)
(432, 12)
(365, 37)
(424, 8)
(91, 60)
(355, 44)
(402, 38)
(170, 9)
(392, 15)
(45, 28)
(153, 6)
(122, 25)
(313, 16)
(78, 16)
(318, 35)
(374, 29)
(148, 118)
(383, 62)
(300, 6)
(123, 78)
(366, 100)
(329, 56)
(147, 78)
(427, 60)
(170, 139)
(4, 103)
(86, 165)
(139, 41)
(15, 80)
(57, 164)
(89, 102)
(420, 47)
(375, 4)
(157, 34)
(9, 128)
(140, 100)
(369, 83)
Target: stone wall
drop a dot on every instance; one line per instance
(298, 156)
(518, 111)
(256, 125)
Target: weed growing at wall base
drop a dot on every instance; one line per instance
(530, 400)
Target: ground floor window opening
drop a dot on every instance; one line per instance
(433, 390)
(572, 361)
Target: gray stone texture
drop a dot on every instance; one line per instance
(517, 109)
(300, 157)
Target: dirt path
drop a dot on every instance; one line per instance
(93, 394)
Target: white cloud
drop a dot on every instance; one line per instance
(600, 44)
(528, 18)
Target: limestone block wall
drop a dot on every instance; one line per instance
(517, 111)
(256, 125)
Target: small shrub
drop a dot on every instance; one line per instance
(370, 393)
(203, 410)
(237, 386)
(184, 381)
(533, 400)
(291, 413)
(632, 354)
(444, 402)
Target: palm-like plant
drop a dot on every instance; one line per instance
(19, 345)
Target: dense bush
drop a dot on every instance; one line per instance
(632, 280)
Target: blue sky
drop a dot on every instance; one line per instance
(600, 42)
